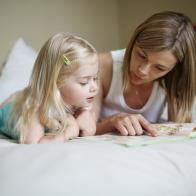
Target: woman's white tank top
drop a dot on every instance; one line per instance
(114, 102)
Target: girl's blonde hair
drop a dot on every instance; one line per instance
(47, 77)
(169, 31)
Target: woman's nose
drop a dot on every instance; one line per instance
(144, 69)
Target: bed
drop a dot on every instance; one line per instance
(92, 166)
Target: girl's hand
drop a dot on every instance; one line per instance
(131, 124)
(86, 123)
(52, 138)
(72, 130)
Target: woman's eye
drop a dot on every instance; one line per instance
(160, 68)
(142, 56)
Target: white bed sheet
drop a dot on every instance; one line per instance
(93, 168)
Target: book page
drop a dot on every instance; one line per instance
(176, 129)
(169, 132)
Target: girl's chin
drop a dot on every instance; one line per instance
(85, 105)
(88, 105)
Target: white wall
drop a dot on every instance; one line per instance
(133, 12)
(107, 24)
(36, 20)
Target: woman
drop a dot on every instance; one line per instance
(157, 67)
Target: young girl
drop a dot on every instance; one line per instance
(56, 106)
(157, 67)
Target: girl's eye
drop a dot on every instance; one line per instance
(83, 83)
(95, 78)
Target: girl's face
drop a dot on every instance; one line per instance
(81, 86)
(146, 66)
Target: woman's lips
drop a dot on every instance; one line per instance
(136, 76)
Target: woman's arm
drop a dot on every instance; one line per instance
(105, 78)
(105, 71)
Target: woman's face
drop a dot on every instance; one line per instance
(146, 66)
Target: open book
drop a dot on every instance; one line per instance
(176, 129)
(169, 132)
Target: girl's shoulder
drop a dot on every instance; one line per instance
(6, 107)
(9, 99)
(5, 113)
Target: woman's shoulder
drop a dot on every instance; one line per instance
(106, 61)
(118, 55)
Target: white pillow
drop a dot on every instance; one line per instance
(17, 70)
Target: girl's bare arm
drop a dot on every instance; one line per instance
(34, 130)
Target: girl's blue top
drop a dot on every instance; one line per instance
(5, 127)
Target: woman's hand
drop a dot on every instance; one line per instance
(129, 124)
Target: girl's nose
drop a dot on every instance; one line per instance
(94, 86)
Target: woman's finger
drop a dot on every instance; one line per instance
(136, 125)
(149, 128)
(121, 128)
(128, 124)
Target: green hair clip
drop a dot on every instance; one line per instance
(66, 60)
